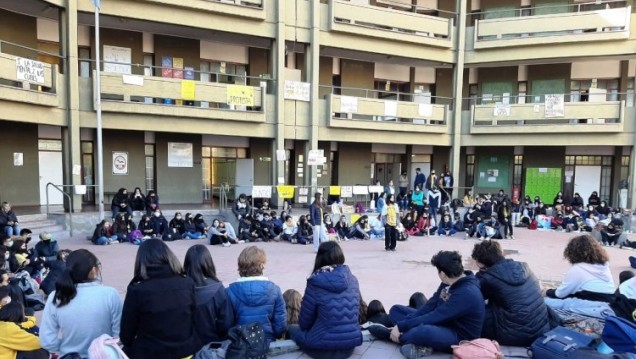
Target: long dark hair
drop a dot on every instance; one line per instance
(154, 253)
(79, 265)
(199, 265)
(12, 313)
(329, 254)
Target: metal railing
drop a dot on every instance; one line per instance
(530, 11)
(69, 197)
(35, 51)
(386, 95)
(611, 95)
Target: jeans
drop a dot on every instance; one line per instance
(320, 235)
(192, 235)
(12, 230)
(102, 241)
(599, 310)
(516, 218)
(116, 210)
(390, 237)
(376, 232)
(294, 332)
(442, 231)
(437, 337)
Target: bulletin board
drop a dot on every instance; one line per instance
(493, 171)
(543, 182)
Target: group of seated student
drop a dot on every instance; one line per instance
(132, 202)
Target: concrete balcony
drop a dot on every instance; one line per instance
(358, 17)
(146, 95)
(13, 89)
(578, 117)
(572, 27)
(253, 9)
(386, 115)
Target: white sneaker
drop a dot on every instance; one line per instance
(241, 242)
(226, 244)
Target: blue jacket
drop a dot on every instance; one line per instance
(316, 215)
(256, 299)
(462, 310)
(329, 311)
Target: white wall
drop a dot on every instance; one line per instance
(602, 69)
(48, 30)
(224, 52)
(392, 72)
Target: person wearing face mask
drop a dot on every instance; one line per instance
(120, 203)
(160, 224)
(410, 225)
(559, 201)
(80, 309)
(594, 199)
(190, 228)
(577, 202)
(603, 210)
(241, 207)
(177, 226)
(152, 202)
(4, 259)
(417, 199)
(146, 227)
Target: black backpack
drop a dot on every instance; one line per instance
(247, 341)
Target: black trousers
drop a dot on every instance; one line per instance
(390, 237)
(35, 354)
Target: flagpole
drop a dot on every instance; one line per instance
(98, 109)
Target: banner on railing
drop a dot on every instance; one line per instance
(187, 89)
(285, 192)
(501, 110)
(296, 90)
(346, 191)
(376, 189)
(359, 190)
(29, 70)
(334, 190)
(348, 104)
(425, 110)
(240, 95)
(261, 191)
(554, 106)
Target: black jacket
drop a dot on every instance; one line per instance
(46, 249)
(214, 314)
(56, 269)
(6, 217)
(516, 313)
(157, 320)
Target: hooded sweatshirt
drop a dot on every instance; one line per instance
(585, 277)
(214, 315)
(329, 310)
(256, 299)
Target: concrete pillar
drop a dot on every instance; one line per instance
(313, 69)
(458, 81)
(278, 53)
(68, 39)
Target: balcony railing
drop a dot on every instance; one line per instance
(170, 97)
(40, 90)
(239, 8)
(361, 18)
(582, 25)
(387, 115)
(577, 117)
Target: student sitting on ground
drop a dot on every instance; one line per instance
(201, 226)
(15, 342)
(146, 227)
(446, 227)
(8, 220)
(515, 314)
(190, 229)
(219, 235)
(293, 301)
(305, 231)
(152, 202)
(557, 222)
(454, 313)
(342, 228)
(46, 249)
(55, 270)
(137, 200)
(377, 314)
(255, 298)
(410, 225)
(290, 230)
(103, 234)
(245, 230)
(241, 207)
(177, 226)
(611, 234)
(328, 326)
(277, 222)
(120, 203)
(267, 226)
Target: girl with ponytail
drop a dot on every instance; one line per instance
(80, 309)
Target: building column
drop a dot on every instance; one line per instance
(278, 53)
(313, 69)
(69, 48)
(458, 84)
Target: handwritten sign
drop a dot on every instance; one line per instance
(29, 70)
(348, 104)
(117, 59)
(296, 90)
(346, 191)
(261, 191)
(240, 95)
(285, 191)
(187, 89)
(554, 106)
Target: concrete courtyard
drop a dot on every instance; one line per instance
(390, 277)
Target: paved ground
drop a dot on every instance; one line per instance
(388, 276)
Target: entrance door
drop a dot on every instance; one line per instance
(426, 170)
(50, 164)
(587, 180)
(380, 173)
(244, 178)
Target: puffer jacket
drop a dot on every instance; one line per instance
(516, 313)
(256, 299)
(329, 310)
(214, 315)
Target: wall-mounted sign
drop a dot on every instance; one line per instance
(120, 163)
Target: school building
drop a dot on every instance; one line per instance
(532, 96)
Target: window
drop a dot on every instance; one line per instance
(518, 171)
(223, 72)
(88, 171)
(84, 54)
(605, 190)
(470, 170)
(149, 150)
(579, 89)
(624, 181)
(629, 99)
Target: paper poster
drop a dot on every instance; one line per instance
(346, 191)
(543, 170)
(482, 174)
(568, 179)
(133, 80)
(77, 170)
(303, 191)
(302, 199)
(376, 189)
(18, 159)
(348, 104)
(180, 154)
(188, 73)
(296, 90)
(501, 110)
(505, 98)
(554, 106)
(492, 179)
(240, 95)
(281, 180)
(334, 190)
(285, 191)
(390, 108)
(315, 157)
(359, 190)
(29, 70)
(120, 163)
(117, 59)
(261, 191)
(425, 110)
(177, 64)
(281, 155)
(166, 66)
(187, 89)
(536, 108)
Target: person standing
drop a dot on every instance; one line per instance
(403, 183)
(316, 216)
(420, 179)
(391, 221)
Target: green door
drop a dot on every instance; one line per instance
(540, 88)
(551, 7)
(500, 12)
(492, 91)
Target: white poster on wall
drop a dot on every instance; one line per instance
(315, 157)
(296, 90)
(117, 59)
(425, 110)
(348, 104)
(29, 70)
(261, 191)
(346, 191)
(180, 154)
(501, 110)
(554, 106)
(390, 108)
(120, 163)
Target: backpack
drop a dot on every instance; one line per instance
(247, 341)
(135, 236)
(533, 225)
(477, 349)
(359, 208)
(105, 347)
(620, 334)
